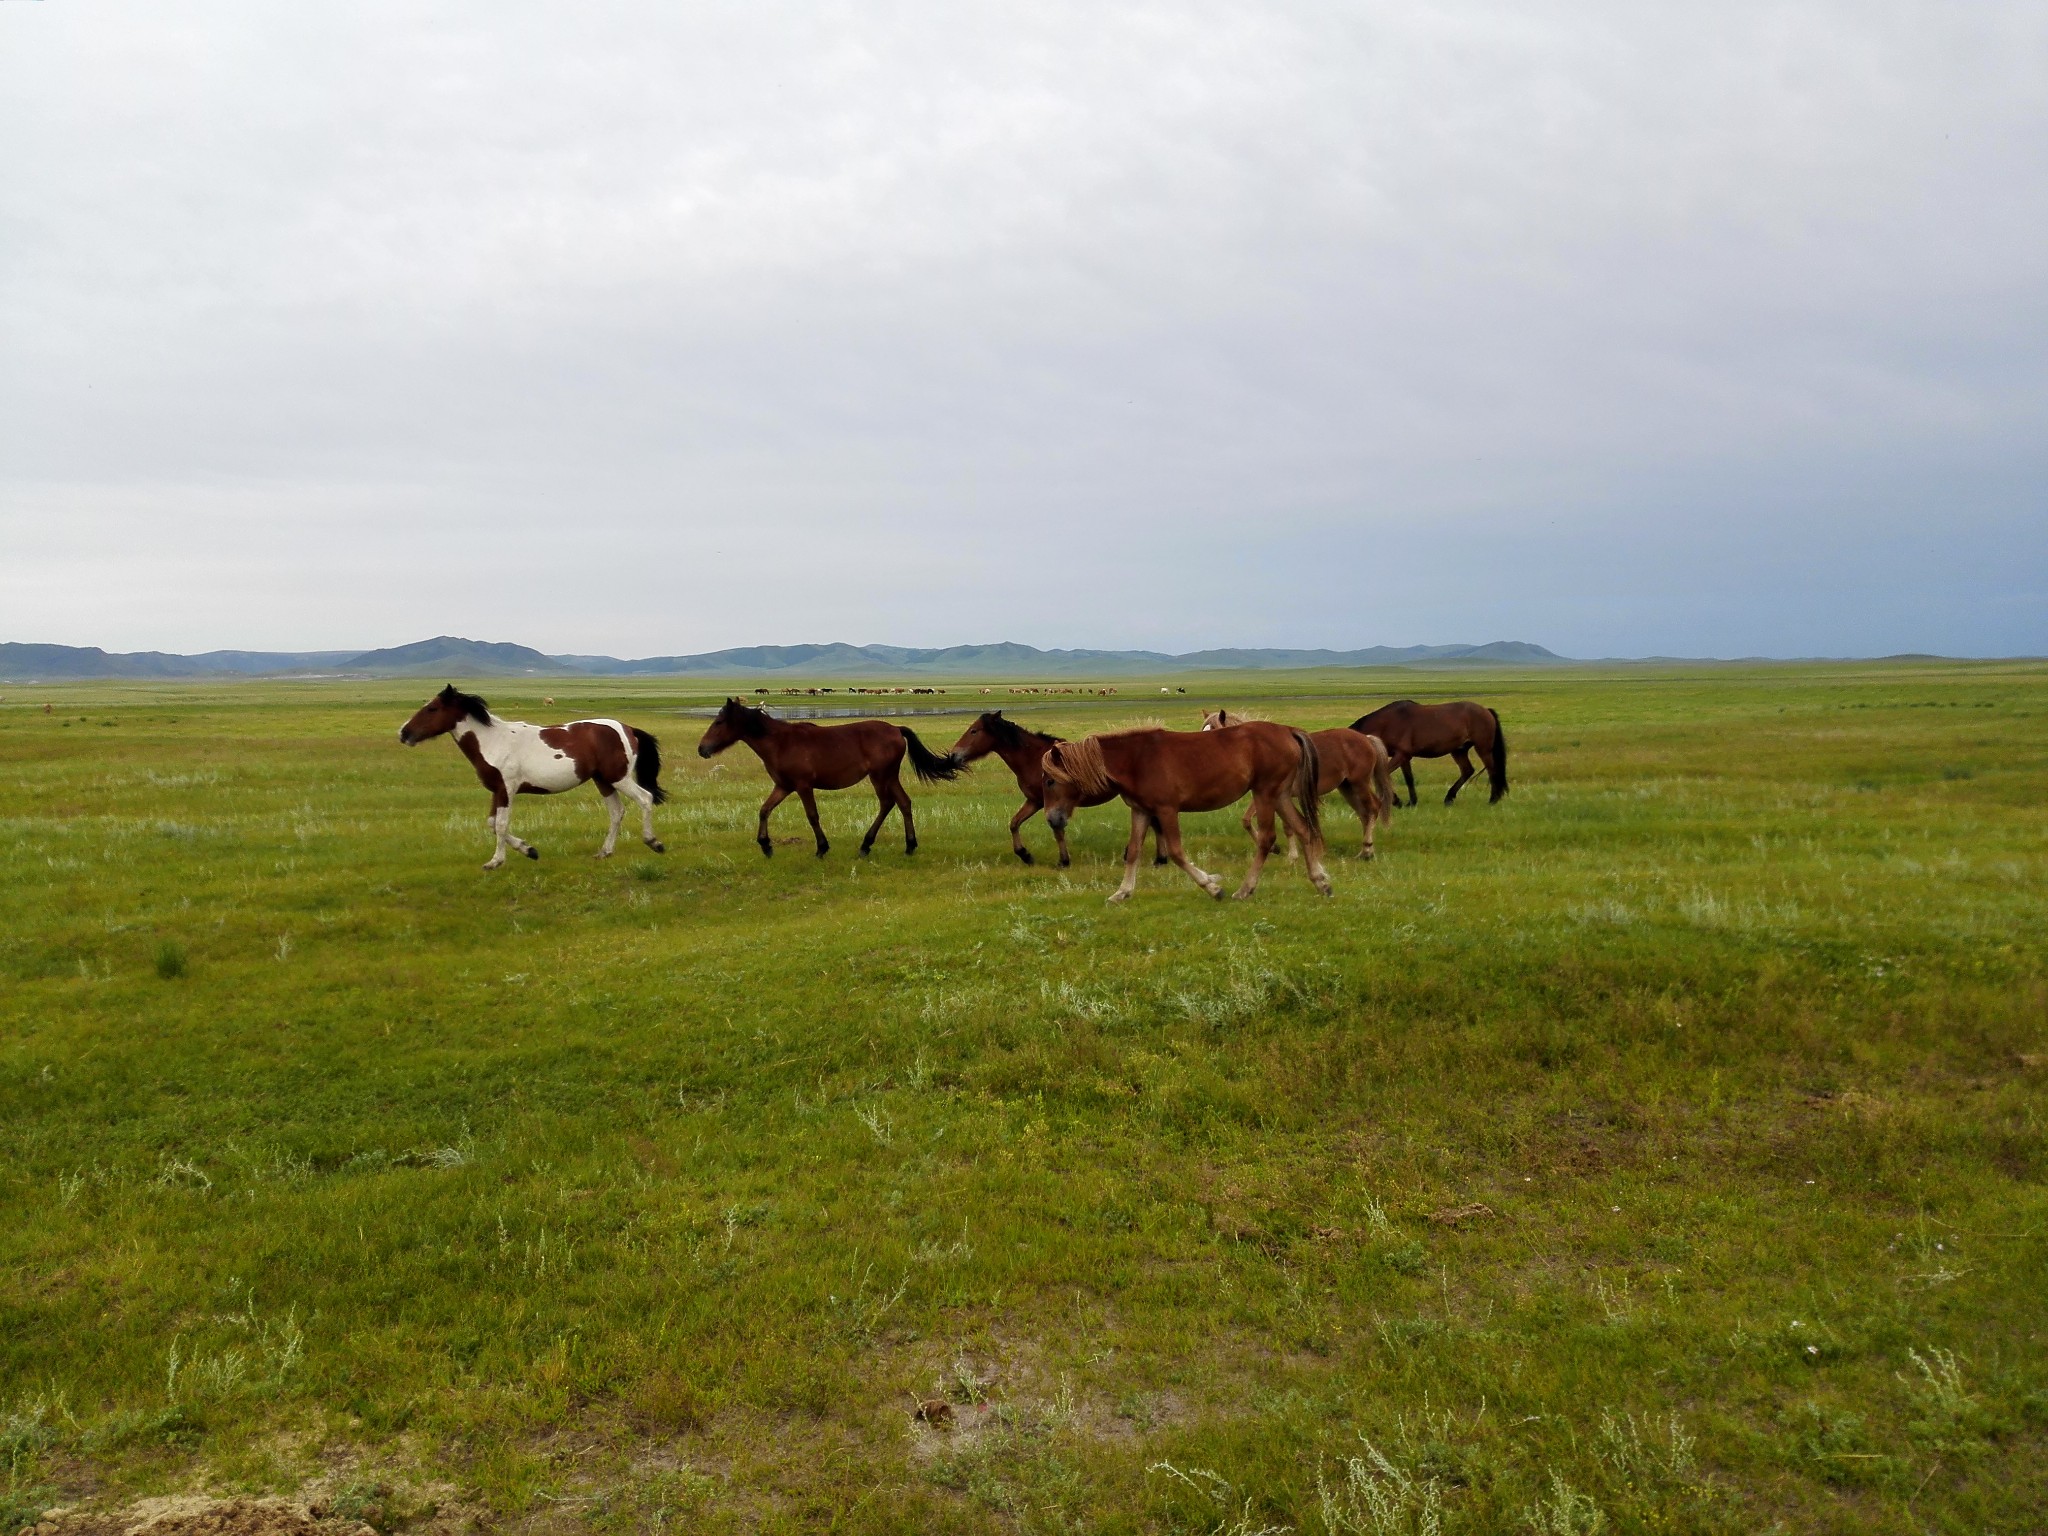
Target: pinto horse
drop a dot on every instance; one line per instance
(802, 758)
(1023, 752)
(1162, 773)
(514, 758)
(1413, 730)
(1352, 763)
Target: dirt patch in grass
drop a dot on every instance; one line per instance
(194, 1516)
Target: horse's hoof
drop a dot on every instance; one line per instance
(657, 845)
(532, 852)
(1023, 853)
(493, 863)
(1117, 896)
(1234, 895)
(767, 849)
(823, 849)
(909, 849)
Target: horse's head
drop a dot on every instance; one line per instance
(1217, 719)
(990, 733)
(735, 722)
(441, 714)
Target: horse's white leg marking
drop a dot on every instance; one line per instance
(506, 837)
(631, 787)
(615, 808)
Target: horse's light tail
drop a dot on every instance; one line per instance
(1080, 764)
(1308, 778)
(647, 765)
(1382, 780)
(930, 765)
(1497, 760)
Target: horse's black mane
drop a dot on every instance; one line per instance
(745, 718)
(468, 703)
(1008, 733)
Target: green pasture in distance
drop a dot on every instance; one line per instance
(1658, 1150)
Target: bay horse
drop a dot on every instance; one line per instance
(1413, 730)
(1162, 773)
(1023, 752)
(514, 758)
(1352, 763)
(802, 757)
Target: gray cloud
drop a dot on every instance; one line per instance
(652, 328)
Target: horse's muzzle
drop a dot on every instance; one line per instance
(1056, 819)
(404, 736)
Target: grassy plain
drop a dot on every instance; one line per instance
(655, 1194)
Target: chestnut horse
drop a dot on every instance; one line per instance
(1413, 730)
(1352, 763)
(514, 758)
(1023, 751)
(802, 758)
(1162, 773)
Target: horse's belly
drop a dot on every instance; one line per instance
(549, 774)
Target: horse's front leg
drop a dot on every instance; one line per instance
(1025, 812)
(1407, 766)
(1166, 830)
(1133, 851)
(615, 808)
(506, 837)
(775, 797)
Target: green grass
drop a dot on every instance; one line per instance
(656, 1193)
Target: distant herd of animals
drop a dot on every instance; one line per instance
(1158, 773)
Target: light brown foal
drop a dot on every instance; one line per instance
(1353, 763)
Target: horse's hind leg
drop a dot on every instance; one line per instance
(1311, 845)
(615, 808)
(888, 799)
(1362, 802)
(775, 797)
(1408, 773)
(909, 821)
(810, 801)
(1262, 844)
(1465, 772)
(1166, 827)
(629, 788)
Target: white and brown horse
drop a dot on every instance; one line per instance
(514, 758)
(1353, 763)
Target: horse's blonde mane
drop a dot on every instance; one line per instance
(1079, 764)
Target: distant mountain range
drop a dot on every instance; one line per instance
(454, 658)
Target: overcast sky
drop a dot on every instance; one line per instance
(645, 328)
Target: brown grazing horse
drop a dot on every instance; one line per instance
(1023, 752)
(514, 758)
(801, 758)
(1352, 763)
(1162, 773)
(1413, 730)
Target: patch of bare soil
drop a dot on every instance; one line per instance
(193, 1516)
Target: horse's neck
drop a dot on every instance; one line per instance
(1030, 748)
(494, 738)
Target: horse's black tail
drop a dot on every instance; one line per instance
(1497, 760)
(930, 765)
(1308, 780)
(647, 765)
